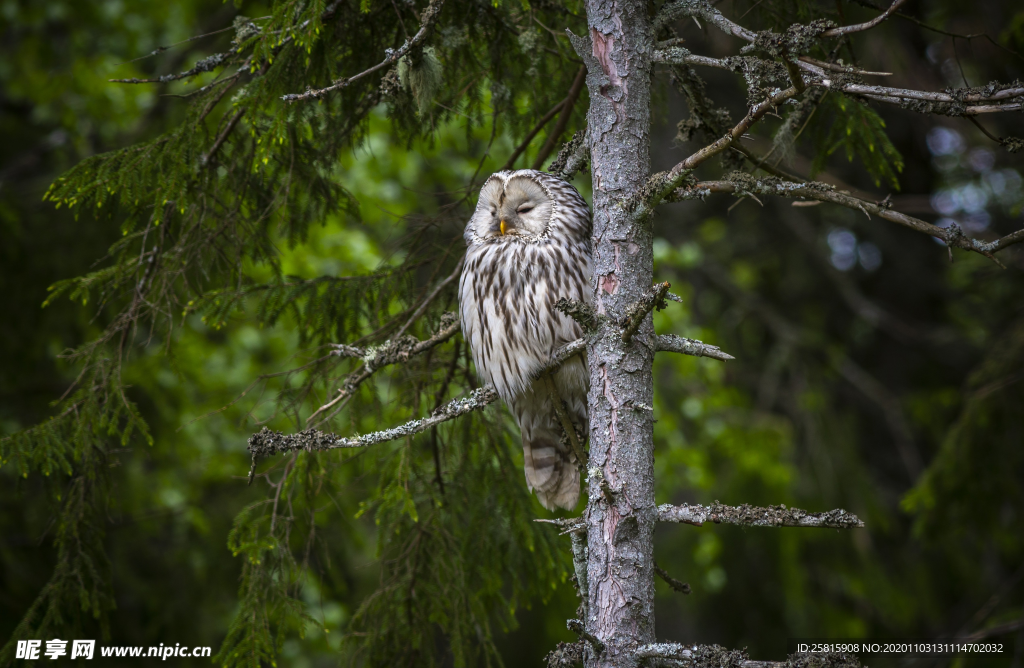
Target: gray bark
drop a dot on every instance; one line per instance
(621, 512)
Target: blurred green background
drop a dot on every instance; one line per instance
(871, 374)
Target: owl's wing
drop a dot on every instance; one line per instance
(551, 467)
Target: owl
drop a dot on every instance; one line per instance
(528, 244)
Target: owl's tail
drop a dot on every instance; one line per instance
(552, 471)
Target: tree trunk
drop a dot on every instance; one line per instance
(620, 512)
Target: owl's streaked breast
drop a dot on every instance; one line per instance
(507, 294)
(507, 301)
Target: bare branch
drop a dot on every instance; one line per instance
(754, 115)
(707, 11)
(689, 656)
(404, 348)
(680, 655)
(427, 19)
(544, 120)
(671, 343)
(661, 185)
(963, 102)
(266, 442)
(1003, 242)
(953, 236)
(834, 67)
(392, 351)
(568, 525)
(996, 630)
(345, 350)
(563, 119)
(563, 353)
(745, 515)
(677, 585)
(430, 298)
(578, 541)
(663, 650)
(576, 626)
(846, 30)
(793, 335)
(572, 157)
(207, 64)
(954, 103)
(713, 656)
(1009, 92)
(222, 137)
(679, 56)
(650, 300)
(582, 312)
(1011, 144)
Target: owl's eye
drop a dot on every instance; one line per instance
(526, 208)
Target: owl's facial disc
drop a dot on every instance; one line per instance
(523, 209)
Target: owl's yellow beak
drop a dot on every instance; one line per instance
(502, 227)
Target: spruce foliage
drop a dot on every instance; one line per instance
(203, 205)
(206, 210)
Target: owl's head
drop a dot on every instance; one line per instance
(526, 206)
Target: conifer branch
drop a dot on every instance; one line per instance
(751, 516)
(428, 17)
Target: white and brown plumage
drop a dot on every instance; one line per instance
(528, 245)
